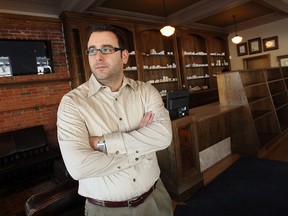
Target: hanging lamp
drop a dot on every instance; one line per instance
(166, 30)
(236, 39)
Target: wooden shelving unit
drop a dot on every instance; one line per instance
(131, 68)
(194, 62)
(282, 112)
(259, 92)
(218, 57)
(189, 58)
(265, 91)
(158, 59)
(202, 56)
(278, 86)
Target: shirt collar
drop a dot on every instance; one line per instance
(95, 86)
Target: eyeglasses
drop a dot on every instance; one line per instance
(104, 50)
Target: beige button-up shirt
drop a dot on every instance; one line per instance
(130, 167)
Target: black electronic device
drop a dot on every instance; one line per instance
(177, 103)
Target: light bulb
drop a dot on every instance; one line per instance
(236, 39)
(167, 31)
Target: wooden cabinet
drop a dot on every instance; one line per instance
(179, 163)
(159, 61)
(202, 56)
(193, 54)
(278, 88)
(131, 68)
(218, 57)
(188, 59)
(265, 95)
(260, 87)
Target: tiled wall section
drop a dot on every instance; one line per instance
(31, 100)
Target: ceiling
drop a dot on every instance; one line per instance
(205, 14)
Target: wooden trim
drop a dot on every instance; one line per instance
(6, 18)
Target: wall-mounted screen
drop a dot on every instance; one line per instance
(177, 103)
(25, 57)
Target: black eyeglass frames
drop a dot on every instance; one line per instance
(104, 50)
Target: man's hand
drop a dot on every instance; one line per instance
(147, 119)
(93, 140)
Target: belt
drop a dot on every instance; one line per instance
(128, 203)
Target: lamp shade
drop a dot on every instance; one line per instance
(236, 39)
(167, 31)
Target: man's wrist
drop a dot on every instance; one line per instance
(101, 145)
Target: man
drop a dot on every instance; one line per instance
(109, 130)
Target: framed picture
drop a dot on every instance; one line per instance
(242, 49)
(283, 60)
(255, 45)
(270, 43)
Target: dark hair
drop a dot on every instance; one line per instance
(111, 28)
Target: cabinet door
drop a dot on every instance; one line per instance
(159, 61)
(186, 146)
(179, 163)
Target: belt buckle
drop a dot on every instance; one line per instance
(103, 203)
(134, 201)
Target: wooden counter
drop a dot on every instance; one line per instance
(205, 126)
(215, 122)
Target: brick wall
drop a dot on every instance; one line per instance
(31, 100)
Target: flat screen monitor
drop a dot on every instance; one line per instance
(177, 103)
(24, 57)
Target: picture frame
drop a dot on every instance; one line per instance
(283, 60)
(242, 49)
(270, 43)
(255, 45)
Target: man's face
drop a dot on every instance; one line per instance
(107, 68)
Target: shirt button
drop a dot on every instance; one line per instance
(137, 151)
(119, 167)
(116, 99)
(120, 119)
(117, 152)
(136, 159)
(134, 180)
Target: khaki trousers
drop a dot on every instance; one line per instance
(158, 203)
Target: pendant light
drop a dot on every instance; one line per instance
(236, 39)
(166, 30)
